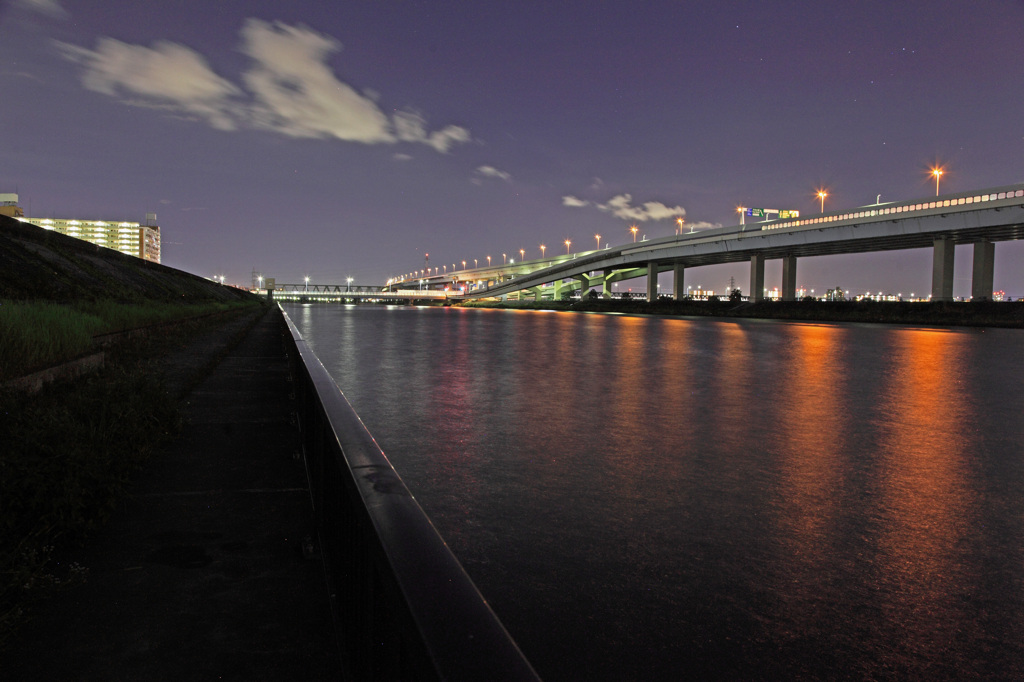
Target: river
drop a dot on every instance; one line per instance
(645, 498)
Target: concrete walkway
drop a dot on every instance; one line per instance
(201, 574)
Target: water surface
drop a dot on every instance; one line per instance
(650, 498)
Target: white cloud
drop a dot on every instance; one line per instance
(167, 75)
(410, 126)
(296, 92)
(492, 172)
(574, 202)
(621, 207)
(50, 8)
(289, 89)
(402, 157)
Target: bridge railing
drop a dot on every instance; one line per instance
(962, 201)
(404, 607)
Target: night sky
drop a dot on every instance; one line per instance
(346, 139)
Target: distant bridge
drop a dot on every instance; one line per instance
(979, 218)
(351, 292)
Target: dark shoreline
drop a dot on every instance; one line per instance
(958, 314)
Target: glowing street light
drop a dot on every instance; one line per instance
(349, 288)
(542, 247)
(522, 255)
(679, 221)
(598, 238)
(463, 265)
(821, 195)
(937, 172)
(476, 262)
(488, 261)
(504, 258)
(633, 229)
(306, 288)
(567, 243)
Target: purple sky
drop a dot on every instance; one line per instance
(346, 139)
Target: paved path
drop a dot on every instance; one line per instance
(200, 575)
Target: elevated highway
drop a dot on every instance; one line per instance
(980, 218)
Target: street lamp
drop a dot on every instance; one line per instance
(488, 261)
(463, 265)
(567, 243)
(522, 255)
(679, 221)
(349, 287)
(476, 262)
(542, 247)
(633, 229)
(598, 238)
(504, 258)
(937, 172)
(821, 195)
(306, 288)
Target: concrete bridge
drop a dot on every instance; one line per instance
(979, 218)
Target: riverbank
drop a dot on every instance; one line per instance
(959, 314)
(204, 568)
(72, 449)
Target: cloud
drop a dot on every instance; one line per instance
(289, 88)
(297, 94)
(167, 75)
(50, 8)
(410, 126)
(402, 157)
(492, 172)
(620, 206)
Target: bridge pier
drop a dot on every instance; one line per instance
(652, 282)
(981, 276)
(606, 284)
(678, 273)
(584, 285)
(757, 278)
(789, 278)
(942, 269)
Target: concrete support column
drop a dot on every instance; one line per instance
(981, 277)
(652, 282)
(757, 277)
(537, 295)
(584, 285)
(559, 289)
(678, 275)
(606, 286)
(942, 270)
(789, 278)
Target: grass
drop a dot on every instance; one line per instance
(39, 334)
(68, 453)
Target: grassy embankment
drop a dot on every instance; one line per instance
(40, 334)
(70, 451)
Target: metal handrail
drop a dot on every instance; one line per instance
(404, 607)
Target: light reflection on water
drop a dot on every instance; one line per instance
(646, 498)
